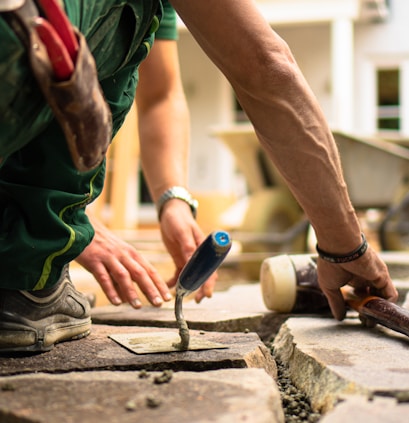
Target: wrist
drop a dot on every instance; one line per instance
(179, 193)
(344, 258)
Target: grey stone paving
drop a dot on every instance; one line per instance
(224, 396)
(197, 317)
(349, 372)
(329, 359)
(376, 410)
(98, 352)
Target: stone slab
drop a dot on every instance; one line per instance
(375, 410)
(98, 352)
(238, 309)
(243, 297)
(199, 318)
(328, 359)
(222, 396)
(140, 343)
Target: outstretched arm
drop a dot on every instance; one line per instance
(293, 131)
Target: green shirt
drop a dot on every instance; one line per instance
(167, 29)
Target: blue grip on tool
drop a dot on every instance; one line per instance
(204, 261)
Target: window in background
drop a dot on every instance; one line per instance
(388, 85)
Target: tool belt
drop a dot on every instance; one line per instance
(78, 103)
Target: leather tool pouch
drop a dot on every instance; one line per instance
(9, 5)
(78, 103)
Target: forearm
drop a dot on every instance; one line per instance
(297, 139)
(283, 110)
(163, 119)
(164, 146)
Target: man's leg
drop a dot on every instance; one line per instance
(43, 197)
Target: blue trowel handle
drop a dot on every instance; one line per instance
(204, 261)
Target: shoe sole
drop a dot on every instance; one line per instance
(16, 337)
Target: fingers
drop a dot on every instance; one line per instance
(336, 302)
(368, 275)
(123, 273)
(182, 240)
(119, 275)
(150, 283)
(119, 287)
(386, 289)
(367, 321)
(180, 233)
(130, 273)
(107, 285)
(206, 290)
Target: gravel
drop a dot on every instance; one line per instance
(296, 406)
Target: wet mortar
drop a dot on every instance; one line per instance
(296, 406)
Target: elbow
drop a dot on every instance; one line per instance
(269, 71)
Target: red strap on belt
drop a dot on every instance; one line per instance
(59, 38)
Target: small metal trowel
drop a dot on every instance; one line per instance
(205, 261)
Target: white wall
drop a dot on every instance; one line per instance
(211, 101)
(310, 45)
(383, 44)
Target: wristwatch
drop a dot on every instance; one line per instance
(181, 194)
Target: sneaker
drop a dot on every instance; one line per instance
(34, 323)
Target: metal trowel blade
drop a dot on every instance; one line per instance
(161, 342)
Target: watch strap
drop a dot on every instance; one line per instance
(179, 193)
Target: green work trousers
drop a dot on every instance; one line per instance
(43, 225)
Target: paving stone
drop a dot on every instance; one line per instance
(376, 410)
(98, 352)
(243, 297)
(196, 317)
(328, 359)
(224, 396)
(238, 309)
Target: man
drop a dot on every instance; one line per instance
(163, 122)
(43, 196)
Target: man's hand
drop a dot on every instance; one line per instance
(366, 274)
(182, 235)
(118, 268)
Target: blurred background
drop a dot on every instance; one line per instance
(355, 56)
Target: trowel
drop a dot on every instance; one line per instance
(205, 261)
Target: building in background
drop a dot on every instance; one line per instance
(354, 54)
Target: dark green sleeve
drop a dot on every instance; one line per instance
(167, 29)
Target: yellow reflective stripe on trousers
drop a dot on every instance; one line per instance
(48, 262)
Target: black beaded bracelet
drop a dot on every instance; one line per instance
(335, 258)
